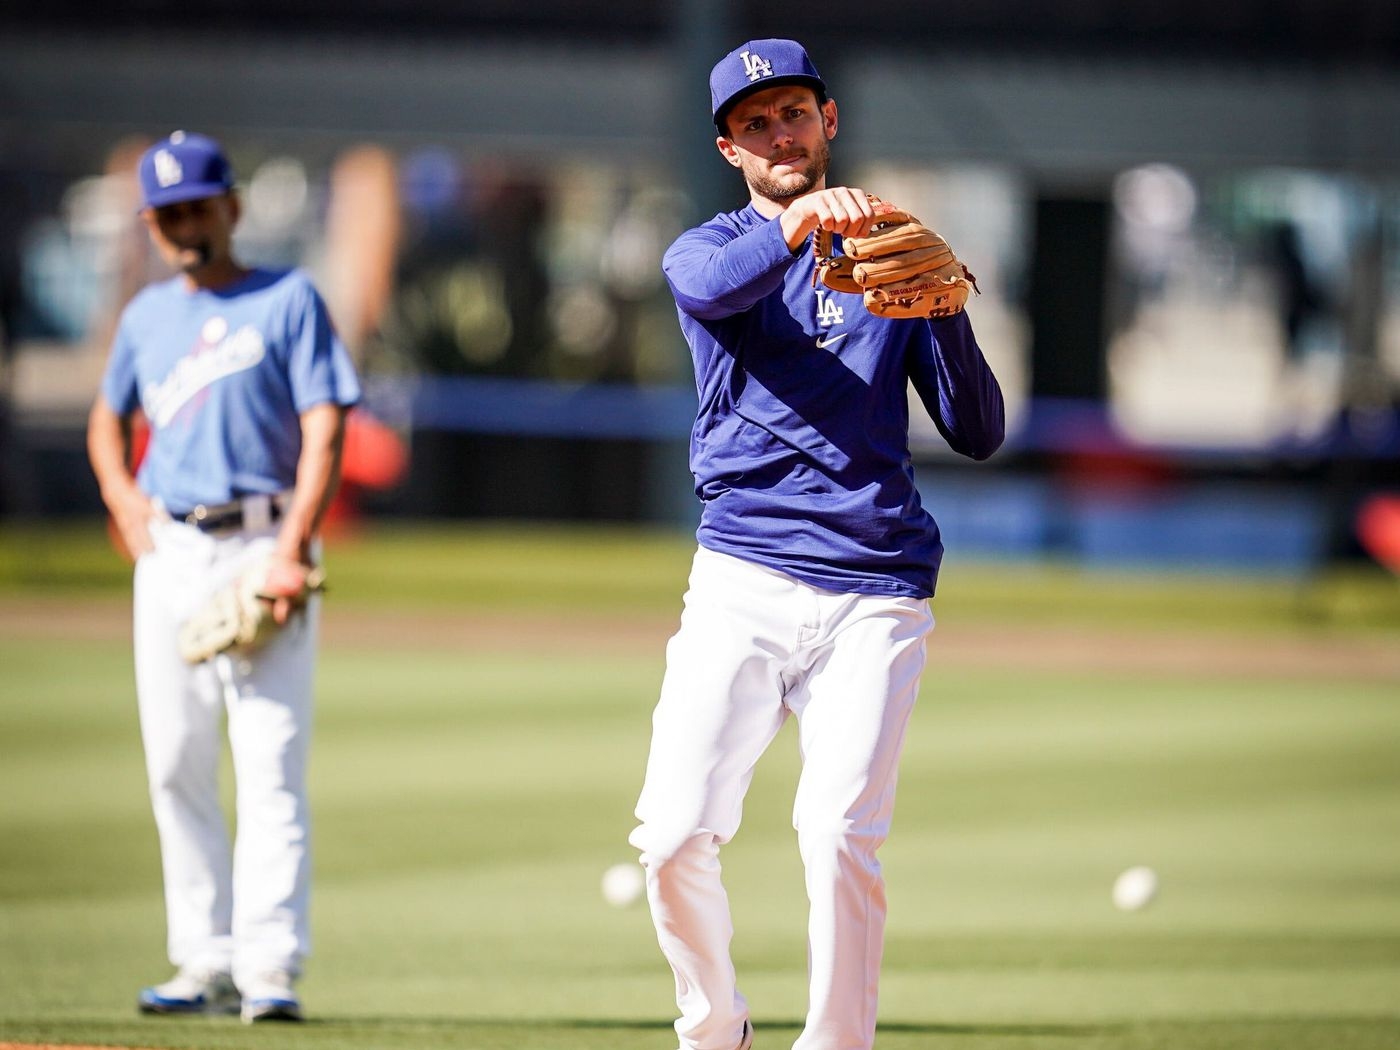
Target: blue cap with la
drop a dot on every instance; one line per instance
(756, 65)
(183, 167)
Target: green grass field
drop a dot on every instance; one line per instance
(483, 705)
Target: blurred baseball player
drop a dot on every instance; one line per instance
(245, 387)
(808, 594)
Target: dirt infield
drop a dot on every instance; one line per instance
(1300, 653)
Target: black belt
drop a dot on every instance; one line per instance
(224, 516)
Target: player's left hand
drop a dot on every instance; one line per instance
(246, 613)
(287, 583)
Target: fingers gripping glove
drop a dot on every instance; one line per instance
(902, 268)
(240, 615)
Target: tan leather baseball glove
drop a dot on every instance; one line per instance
(902, 268)
(245, 614)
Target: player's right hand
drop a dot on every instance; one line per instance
(132, 513)
(839, 209)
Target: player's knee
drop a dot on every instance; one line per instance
(174, 774)
(181, 800)
(841, 842)
(665, 847)
(274, 810)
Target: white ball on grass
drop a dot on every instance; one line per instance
(1135, 888)
(623, 884)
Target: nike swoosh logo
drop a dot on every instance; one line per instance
(823, 343)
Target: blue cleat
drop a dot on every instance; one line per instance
(269, 997)
(191, 992)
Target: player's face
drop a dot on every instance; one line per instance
(194, 237)
(779, 139)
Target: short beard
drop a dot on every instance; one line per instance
(770, 189)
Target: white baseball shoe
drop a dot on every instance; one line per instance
(269, 997)
(746, 1043)
(191, 992)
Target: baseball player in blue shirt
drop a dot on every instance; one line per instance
(808, 595)
(245, 388)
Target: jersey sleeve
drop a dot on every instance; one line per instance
(319, 368)
(119, 385)
(957, 387)
(715, 272)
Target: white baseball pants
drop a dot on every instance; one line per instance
(243, 909)
(754, 646)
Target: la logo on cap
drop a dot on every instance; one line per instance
(168, 168)
(756, 66)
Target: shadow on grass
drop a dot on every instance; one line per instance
(766, 1026)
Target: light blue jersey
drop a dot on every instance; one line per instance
(223, 377)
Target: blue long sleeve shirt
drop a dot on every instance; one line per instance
(800, 449)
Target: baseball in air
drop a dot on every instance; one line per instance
(1135, 888)
(623, 884)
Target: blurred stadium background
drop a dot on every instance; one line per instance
(1185, 220)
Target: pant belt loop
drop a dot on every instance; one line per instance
(257, 513)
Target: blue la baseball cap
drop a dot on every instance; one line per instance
(183, 167)
(757, 65)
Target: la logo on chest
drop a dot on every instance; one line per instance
(828, 313)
